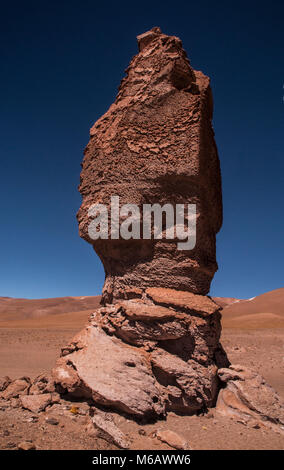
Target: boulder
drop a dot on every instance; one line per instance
(43, 383)
(16, 388)
(247, 397)
(165, 360)
(4, 382)
(110, 372)
(189, 386)
(38, 403)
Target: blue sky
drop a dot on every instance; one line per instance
(61, 64)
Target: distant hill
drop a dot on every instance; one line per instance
(21, 309)
(264, 311)
(225, 301)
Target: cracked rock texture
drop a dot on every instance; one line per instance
(153, 346)
(156, 144)
(248, 398)
(145, 359)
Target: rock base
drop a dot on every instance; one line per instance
(147, 355)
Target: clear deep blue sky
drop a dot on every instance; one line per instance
(61, 64)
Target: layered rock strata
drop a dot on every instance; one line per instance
(144, 358)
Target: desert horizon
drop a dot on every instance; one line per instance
(33, 332)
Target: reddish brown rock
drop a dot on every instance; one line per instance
(102, 425)
(154, 344)
(16, 388)
(26, 445)
(144, 359)
(247, 397)
(37, 403)
(196, 304)
(189, 386)
(112, 373)
(15, 402)
(147, 313)
(156, 144)
(172, 439)
(4, 382)
(42, 384)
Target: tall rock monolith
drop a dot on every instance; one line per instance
(156, 145)
(154, 344)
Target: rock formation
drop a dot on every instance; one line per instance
(249, 399)
(154, 345)
(156, 144)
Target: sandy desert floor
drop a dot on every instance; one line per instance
(252, 336)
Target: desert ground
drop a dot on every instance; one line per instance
(32, 333)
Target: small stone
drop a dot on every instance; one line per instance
(10, 445)
(42, 384)
(37, 403)
(172, 439)
(15, 403)
(142, 432)
(108, 430)
(16, 388)
(26, 445)
(52, 421)
(4, 382)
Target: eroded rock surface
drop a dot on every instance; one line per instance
(16, 388)
(38, 403)
(172, 439)
(154, 344)
(155, 144)
(247, 397)
(4, 382)
(145, 359)
(102, 425)
(111, 373)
